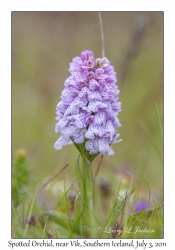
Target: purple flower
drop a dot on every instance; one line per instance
(87, 112)
(141, 205)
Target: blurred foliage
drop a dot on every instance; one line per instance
(20, 176)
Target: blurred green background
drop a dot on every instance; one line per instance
(43, 45)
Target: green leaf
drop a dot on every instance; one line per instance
(78, 208)
(92, 157)
(66, 222)
(79, 177)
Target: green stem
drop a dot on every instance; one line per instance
(88, 190)
(84, 205)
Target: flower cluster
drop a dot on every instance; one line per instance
(87, 112)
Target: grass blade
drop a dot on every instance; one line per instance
(160, 125)
(66, 222)
(30, 212)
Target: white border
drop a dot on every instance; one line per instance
(5, 92)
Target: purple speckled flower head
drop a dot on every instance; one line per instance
(87, 112)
